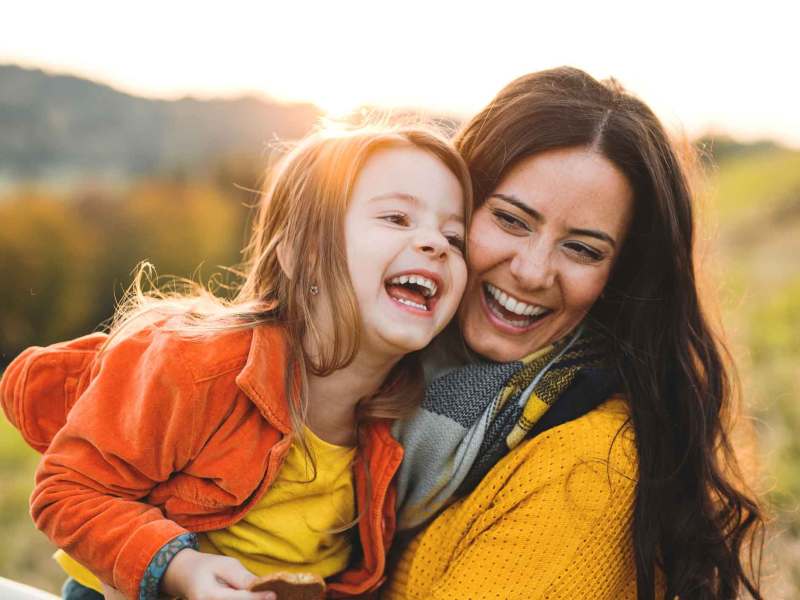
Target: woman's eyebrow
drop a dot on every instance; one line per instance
(534, 214)
(539, 217)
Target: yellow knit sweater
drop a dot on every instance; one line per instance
(551, 520)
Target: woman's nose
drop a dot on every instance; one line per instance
(532, 267)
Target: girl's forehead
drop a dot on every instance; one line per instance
(409, 176)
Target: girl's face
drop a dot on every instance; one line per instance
(404, 234)
(541, 249)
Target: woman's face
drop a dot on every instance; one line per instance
(541, 249)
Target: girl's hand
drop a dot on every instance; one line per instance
(194, 575)
(110, 593)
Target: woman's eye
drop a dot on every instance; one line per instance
(585, 252)
(508, 221)
(456, 241)
(397, 219)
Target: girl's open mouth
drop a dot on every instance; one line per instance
(511, 311)
(416, 290)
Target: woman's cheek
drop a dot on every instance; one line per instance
(584, 288)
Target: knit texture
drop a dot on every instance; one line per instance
(475, 414)
(553, 519)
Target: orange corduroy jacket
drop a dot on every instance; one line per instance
(160, 435)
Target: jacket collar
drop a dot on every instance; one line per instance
(264, 373)
(263, 380)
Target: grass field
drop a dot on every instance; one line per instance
(756, 209)
(25, 556)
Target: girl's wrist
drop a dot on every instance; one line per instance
(172, 583)
(153, 583)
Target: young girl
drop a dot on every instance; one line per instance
(207, 441)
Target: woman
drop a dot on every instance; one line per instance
(594, 379)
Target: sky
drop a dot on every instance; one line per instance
(703, 66)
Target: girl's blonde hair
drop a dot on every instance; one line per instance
(301, 213)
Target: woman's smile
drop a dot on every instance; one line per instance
(511, 313)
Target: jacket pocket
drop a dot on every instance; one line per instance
(185, 495)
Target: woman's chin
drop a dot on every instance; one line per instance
(487, 342)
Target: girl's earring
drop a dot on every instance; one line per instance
(314, 290)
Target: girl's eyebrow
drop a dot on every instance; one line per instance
(411, 198)
(539, 218)
(396, 196)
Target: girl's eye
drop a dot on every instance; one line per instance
(456, 241)
(584, 252)
(397, 219)
(508, 221)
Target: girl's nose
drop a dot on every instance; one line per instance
(432, 243)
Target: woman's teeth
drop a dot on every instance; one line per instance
(499, 300)
(513, 305)
(428, 286)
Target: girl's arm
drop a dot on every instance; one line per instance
(132, 428)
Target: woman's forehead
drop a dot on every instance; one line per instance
(575, 187)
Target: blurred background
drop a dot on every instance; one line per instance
(133, 131)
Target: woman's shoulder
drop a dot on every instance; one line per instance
(558, 505)
(595, 444)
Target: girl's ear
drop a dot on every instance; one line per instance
(285, 259)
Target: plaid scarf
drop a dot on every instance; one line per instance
(475, 414)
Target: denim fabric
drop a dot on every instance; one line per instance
(151, 582)
(72, 590)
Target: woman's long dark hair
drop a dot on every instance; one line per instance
(692, 519)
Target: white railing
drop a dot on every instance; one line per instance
(12, 590)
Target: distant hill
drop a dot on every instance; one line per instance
(60, 124)
(60, 127)
(718, 148)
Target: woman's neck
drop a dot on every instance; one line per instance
(332, 399)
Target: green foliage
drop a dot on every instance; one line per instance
(64, 261)
(752, 183)
(776, 334)
(45, 267)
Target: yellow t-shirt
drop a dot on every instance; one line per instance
(293, 527)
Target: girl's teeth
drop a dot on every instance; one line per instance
(410, 303)
(427, 284)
